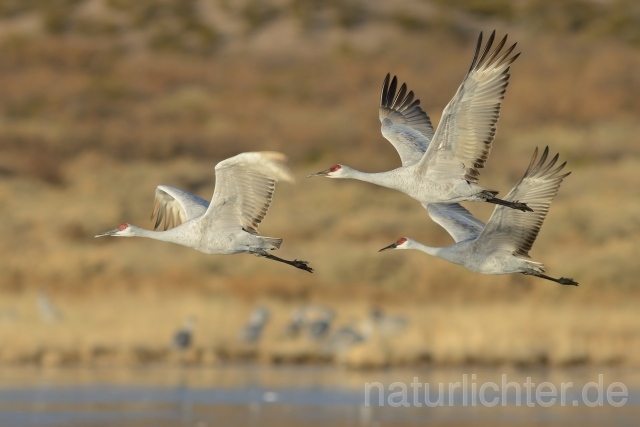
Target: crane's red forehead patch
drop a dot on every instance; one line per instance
(122, 227)
(401, 240)
(335, 168)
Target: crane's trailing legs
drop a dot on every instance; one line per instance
(562, 280)
(303, 265)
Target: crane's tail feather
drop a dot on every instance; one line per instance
(273, 242)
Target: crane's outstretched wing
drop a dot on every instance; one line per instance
(513, 230)
(244, 188)
(404, 123)
(462, 142)
(458, 221)
(174, 206)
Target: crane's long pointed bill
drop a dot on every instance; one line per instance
(321, 173)
(391, 246)
(107, 233)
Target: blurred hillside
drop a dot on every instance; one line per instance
(104, 99)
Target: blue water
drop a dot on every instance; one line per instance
(290, 396)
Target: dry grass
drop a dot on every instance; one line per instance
(135, 327)
(90, 122)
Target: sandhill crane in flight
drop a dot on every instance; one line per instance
(443, 166)
(229, 223)
(502, 245)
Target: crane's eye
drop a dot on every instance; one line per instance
(335, 168)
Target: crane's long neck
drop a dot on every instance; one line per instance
(165, 236)
(445, 253)
(383, 179)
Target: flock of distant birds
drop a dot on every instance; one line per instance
(313, 323)
(439, 168)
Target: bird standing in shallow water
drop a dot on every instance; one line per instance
(229, 223)
(502, 245)
(183, 337)
(443, 166)
(252, 331)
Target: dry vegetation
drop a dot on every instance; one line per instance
(103, 100)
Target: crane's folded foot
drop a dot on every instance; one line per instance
(513, 205)
(303, 265)
(567, 281)
(520, 206)
(562, 280)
